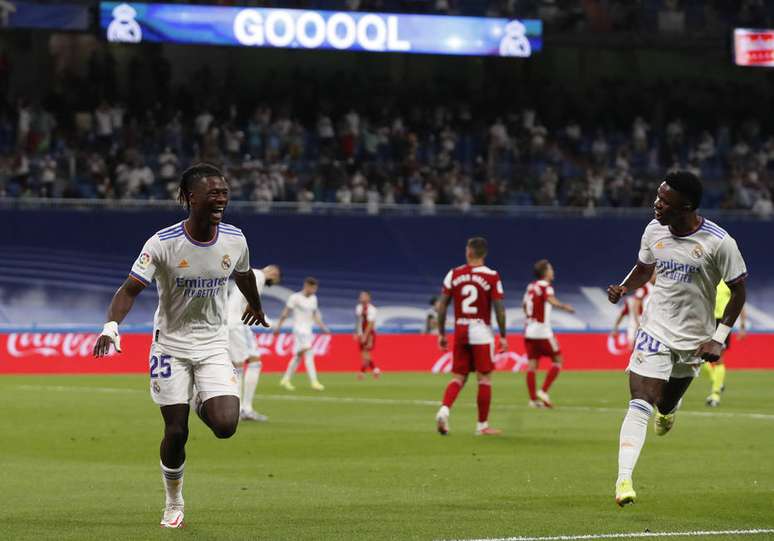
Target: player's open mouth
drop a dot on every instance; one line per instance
(657, 214)
(217, 212)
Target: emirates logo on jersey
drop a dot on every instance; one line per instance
(226, 262)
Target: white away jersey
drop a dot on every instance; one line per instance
(192, 280)
(680, 312)
(365, 314)
(237, 303)
(303, 308)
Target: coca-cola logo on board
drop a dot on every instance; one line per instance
(282, 344)
(51, 344)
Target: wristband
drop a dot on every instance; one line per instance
(721, 333)
(110, 328)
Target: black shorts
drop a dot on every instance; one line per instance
(728, 338)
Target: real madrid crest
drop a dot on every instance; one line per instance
(697, 252)
(226, 262)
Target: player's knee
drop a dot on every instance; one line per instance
(178, 433)
(224, 428)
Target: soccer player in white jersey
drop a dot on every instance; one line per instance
(690, 255)
(303, 306)
(191, 262)
(242, 345)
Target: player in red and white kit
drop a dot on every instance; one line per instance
(365, 333)
(539, 339)
(475, 289)
(633, 308)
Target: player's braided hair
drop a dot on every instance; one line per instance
(688, 185)
(193, 174)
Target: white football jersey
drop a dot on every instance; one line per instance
(363, 319)
(237, 303)
(303, 308)
(680, 312)
(192, 281)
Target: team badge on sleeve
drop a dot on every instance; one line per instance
(144, 260)
(226, 262)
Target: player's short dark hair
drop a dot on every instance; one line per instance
(479, 246)
(311, 280)
(688, 185)
(540, 268)
(193, 174)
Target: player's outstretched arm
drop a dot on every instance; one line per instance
(560, 305)
(711, 351)
(443, 304)
(640, 274)
(246, 283)
(499, 308)
(617, 324)
(319, 321)
(122, 303)
(283, 316)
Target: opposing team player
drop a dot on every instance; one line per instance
(539, 339)
(475, 290)
(191, 262)
(717, 370)
(303, 306)
(365, 333)
(690, 255)
(242, 345)
(632, 309)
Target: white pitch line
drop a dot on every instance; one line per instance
(395, 401)
(634, 535)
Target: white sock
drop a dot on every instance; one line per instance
(482, 426)
(173, 484)
(252, 373)
(292, 365)
(633, 431)
(311, 369)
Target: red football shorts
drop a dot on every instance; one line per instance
(368, 343)
(541, 347)
(472, 358)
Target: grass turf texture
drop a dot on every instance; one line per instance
(79, 460)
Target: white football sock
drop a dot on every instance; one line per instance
(311, 369)
(173, 484)
(292, 365)
(252, 374)
(633, 431)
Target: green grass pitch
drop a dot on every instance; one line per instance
(362, 460)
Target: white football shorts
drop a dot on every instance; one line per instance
(172, 378)
(242, 344)
(302, 342)
(652, 359)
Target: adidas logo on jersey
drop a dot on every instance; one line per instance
(183, 264)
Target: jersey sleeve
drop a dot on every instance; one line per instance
(548, 291)
(371, 314)
(147, 263)
(291, 302)
(645, 254)
(497, 291)
(243, 263)
(730, 262)
(446, 289)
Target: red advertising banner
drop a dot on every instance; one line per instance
(70, 352)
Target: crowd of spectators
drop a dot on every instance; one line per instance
(424, 156)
